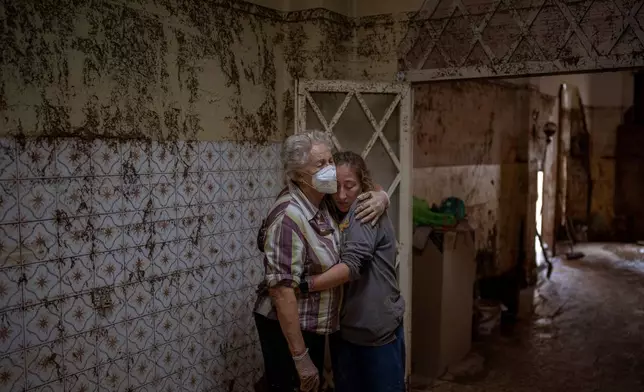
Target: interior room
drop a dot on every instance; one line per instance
(508, 174)
(140, 148)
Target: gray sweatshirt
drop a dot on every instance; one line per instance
(372, 306)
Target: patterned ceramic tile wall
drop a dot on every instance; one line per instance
(130, 265)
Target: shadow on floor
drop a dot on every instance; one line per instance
(587, 333)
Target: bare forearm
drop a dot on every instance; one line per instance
(287, 313)
(333, 277)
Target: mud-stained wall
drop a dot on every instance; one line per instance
(130, 264)
(475, 141)
(161, 69)
(606, 98)
(136, 163)
(578, 173)
(603, 123)
(376, 46)
(591, 159)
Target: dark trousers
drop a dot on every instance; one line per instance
(368, 368)
(280, 372)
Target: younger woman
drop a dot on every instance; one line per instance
(369, 352)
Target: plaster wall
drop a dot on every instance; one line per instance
(474, 140)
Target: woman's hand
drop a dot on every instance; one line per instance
(309, 376)
(371, 206)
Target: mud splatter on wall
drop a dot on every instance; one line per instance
(376, 46)
(474, 140)
(136, 162)
(161, 69)
(130, 264)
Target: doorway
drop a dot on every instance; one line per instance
(374, 119)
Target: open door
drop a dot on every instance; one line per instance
(373, 119)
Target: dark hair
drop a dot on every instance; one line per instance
(355, 162)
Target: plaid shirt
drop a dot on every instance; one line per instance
(301, 240)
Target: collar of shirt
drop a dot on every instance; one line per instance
(310, 211)
(313, 214)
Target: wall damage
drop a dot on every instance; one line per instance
(161, 70)
(138, 157)
(489, 158)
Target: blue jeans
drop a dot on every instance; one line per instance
(369, 368)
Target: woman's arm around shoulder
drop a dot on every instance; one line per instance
(357, 250)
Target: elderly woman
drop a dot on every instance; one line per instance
(369, 352)
(301, 239)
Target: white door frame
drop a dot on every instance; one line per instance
(403, 160)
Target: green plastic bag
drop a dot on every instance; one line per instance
(424, 216)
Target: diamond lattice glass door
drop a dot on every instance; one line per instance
(372, 119)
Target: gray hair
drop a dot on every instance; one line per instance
(296, 150)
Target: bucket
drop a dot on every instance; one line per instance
(489, 317)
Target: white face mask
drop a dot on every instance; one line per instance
(325, 181)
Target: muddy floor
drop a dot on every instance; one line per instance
(587, 332)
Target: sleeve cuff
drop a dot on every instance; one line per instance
(283, 280)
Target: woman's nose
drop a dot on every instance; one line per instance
(343, 195)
